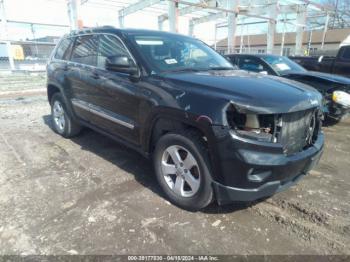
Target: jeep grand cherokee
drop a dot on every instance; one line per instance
(213, 132)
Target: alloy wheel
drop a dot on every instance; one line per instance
(59, 116)
(181, 171)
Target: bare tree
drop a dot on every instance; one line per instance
(341, 16)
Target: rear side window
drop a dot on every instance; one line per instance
(62, 49)
(85, 50)
(346, 53)
(109, 46)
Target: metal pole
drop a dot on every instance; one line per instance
(215, 35)
(301, 23)
(121, 20)
(36, 46)
(232, 25)
(271, 29)
(325, 31)
(191, 28)
(160, 23)
(242, 38)
(173, 16)
(283, 35)
(4, 35)
(73, 13)
(309, 43)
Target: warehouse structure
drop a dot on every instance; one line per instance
(284, 21)
(313, 42)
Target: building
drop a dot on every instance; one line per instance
(312, 42)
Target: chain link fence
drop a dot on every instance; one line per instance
(27, 55)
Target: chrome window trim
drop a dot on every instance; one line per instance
(89, 107)
(75, 63)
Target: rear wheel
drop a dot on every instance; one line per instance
(182, 168)
(63, 124)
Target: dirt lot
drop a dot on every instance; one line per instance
(90, 195)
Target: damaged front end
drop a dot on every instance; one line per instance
(265, 153)
(294, 131)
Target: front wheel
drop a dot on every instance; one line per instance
(63, 123)
(182, 168)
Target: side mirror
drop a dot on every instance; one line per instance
(264, 72)
(121, 64)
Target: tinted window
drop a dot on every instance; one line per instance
(251, 64)
(109, 46)
(62, 49)
(233, 60)
(346, 54)
(85, 50)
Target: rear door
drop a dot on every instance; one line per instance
(57, 67)
(342, 62)
(82, 77)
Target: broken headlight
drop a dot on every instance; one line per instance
(341, 98)
(260, 127)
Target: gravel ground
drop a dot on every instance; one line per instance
(90, 195)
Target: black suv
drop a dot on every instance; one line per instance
(212, 131)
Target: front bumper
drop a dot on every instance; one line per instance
(337, 111)
(252, 171)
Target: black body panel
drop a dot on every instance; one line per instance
(130, 108)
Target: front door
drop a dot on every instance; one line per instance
(117, 97)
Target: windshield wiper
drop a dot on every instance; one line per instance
(221, 68)
(187, 69)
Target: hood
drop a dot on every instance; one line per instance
(324, 76)
(250, 92)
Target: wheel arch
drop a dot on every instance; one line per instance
(162, 124)
(52, 88)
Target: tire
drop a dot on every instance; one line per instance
(62, 122)
(193, 191)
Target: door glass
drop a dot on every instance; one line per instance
(346, 54)
(109, 46)
(85, 50)
(251, 64)
(62, 49)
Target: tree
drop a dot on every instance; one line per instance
(340, 18)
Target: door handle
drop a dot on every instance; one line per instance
(146, 92)
(95, 75)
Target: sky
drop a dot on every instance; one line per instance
(55, 12)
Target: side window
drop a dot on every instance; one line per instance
(251, 64)
(346, 53)
(62, 49)
(232, 59)
(85, 50)
(109, 46)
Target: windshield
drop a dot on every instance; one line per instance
(283, 65)
(171, 53)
